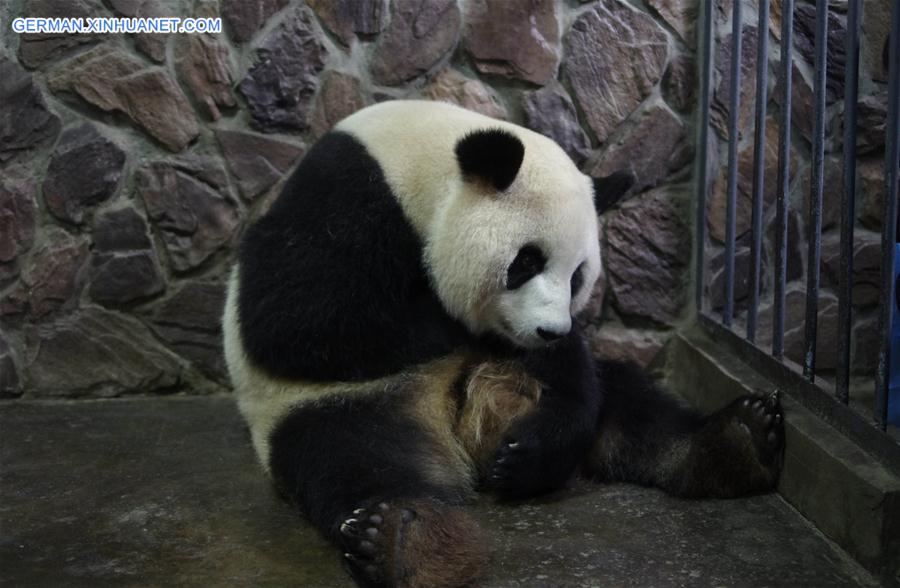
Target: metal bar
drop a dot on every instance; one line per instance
(788, 377)
(815, 200)
(848, 204)
(706, 56)
(784, 177)
(733, 139)
(889, 223)
(759, 164)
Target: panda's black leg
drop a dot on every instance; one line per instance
(369, 476)
(646, 436)
(542, 450)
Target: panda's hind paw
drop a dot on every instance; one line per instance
(364, 539)
(762, 417)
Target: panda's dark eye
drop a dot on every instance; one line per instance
(577, 279)
(528, 263)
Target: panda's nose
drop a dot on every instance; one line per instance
(549, 335)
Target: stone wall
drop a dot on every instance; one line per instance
(132, 163)
(870, 178)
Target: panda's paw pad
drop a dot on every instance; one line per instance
(513, 466)
(369, 534)
(762, 417)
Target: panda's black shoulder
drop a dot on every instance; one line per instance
(332, 284)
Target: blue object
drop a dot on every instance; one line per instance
(894, 391)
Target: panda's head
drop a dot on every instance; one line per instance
(514, 251)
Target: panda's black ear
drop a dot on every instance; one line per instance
(609, 190)
(490, 155)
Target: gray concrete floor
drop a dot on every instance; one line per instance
(165, 491)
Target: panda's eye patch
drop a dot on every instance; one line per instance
(577, 279)
(529, 262)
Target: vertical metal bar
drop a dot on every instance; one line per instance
(733, 139)
(889, 220)
(848, 204)
(706, 56)
(759, 164)
(784, 176)
(815, 200)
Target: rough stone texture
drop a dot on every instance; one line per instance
(256, 161)
(652, 149)
(870, 122)
(796, 244)
(876, 25)
(17, 222)
(826, 333)
(120, 230)
(153, 45)
(866, 264)
(550, 112)
(647, 254)
(94, 352)
(114, 81)
(339, 97)
(719, 111)
(173, 523)
(513, 39)
(124, 267)
(870, 193)
(119, 278)
(802, 105)
(245, 18)
(679, 83)
(679, 14)
(280, 86)
(717, 204)
(865, 345)
(619, 343)
(742, 262)
(835, 57)
(203, 65)
(451, 86)
(615, 55)
(349, 18)
(51, 280)
(25, 121)
(10, 385)
(190, 323)
(84, 171)
(420, 33)
(193, 220)
(37, 50)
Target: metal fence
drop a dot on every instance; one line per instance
(768, 356)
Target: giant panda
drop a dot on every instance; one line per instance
(399, 333)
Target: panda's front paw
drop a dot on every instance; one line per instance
(533, 461)
(514, 471)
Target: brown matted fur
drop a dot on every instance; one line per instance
(496, 395)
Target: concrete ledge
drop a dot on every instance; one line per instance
(845, 492)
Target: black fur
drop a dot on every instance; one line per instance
(610, 189)
(335, 456)
(645, 436)
(332, 282)
(490, 155)
(544, 449)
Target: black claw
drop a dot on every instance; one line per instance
(348, 527)
(367, 547)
